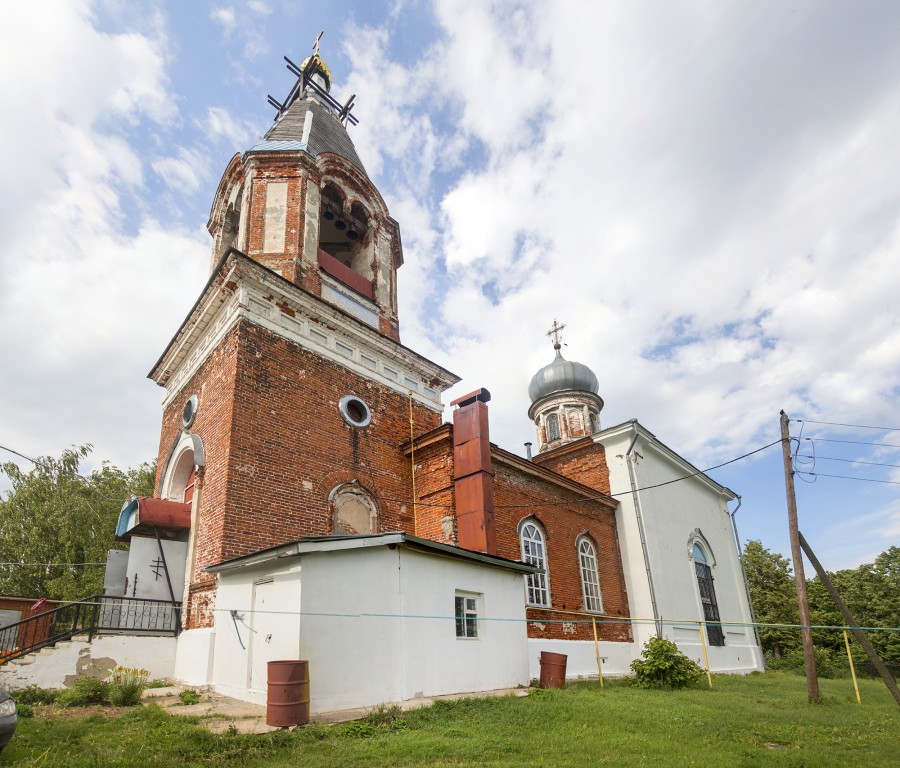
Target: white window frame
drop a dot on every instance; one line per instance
(466, 610)
(589, 567)
(533, 541)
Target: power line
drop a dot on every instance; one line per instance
(849, 442)
(839, 424)
(51, 565)
(27, 458)
(594, 498)
(845, 477)
(848, 461)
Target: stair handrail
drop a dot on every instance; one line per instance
(82, 616)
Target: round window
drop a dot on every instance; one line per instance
(355, 412)
(190, 411)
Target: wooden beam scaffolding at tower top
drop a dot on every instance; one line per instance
(305, 80)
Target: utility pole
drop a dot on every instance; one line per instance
(809, 658)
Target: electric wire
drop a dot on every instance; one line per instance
(848, 461)
(603, 497)
(27, 458)
(851, 442)
(847, 477)
(840, 424)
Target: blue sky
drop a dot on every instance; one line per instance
(706, 194)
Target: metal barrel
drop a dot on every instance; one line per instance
(287, 702)
(553, 669)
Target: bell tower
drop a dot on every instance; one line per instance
(300, 392)
(301, 203)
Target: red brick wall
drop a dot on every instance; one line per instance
(583, 461)
(563, 514)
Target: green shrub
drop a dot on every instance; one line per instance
(125, 685)
(662, 665)
(84, 691)
(24, 710)
(188, 697)
(34, 694)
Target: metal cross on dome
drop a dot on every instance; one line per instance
(554, 332)
(304, 74)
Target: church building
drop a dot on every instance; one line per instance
(326, 512)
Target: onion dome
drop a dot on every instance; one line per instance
(319, 66)
(562, 376)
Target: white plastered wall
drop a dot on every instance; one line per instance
(670, 516)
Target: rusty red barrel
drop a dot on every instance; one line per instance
(553, 669)
(288, 699)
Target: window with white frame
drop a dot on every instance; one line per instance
(534, 552)
(465, 611)
(590, 576)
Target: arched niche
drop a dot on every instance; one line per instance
(185, 456)
(354, 511)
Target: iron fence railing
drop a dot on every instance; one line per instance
(89, 616)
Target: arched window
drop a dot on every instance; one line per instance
(553, 432)
(595, 422)
(707, 595)
(590, 577)
(534, 552)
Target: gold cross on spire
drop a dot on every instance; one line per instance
(316, 43)
(554, 332)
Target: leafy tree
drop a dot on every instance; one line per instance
(872, 593)
(54, 520)
(774, 595)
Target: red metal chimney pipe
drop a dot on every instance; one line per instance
(472, 474)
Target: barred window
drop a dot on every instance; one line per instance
(708, 596)
(590, 577)
(534, 552)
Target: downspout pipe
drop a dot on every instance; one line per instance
(737, 541)
(629, 460)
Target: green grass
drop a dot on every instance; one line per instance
(743, 721)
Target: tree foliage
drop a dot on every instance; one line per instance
(53, 521)
(771, 582)
(871, 591)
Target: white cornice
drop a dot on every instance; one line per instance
(250, 291)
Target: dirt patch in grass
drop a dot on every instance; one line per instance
(53, 712)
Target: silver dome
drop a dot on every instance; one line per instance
(562, 376)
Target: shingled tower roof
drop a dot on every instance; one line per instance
(310, 119)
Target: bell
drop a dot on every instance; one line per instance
(328, 215)
(352, 234)
(340, 224)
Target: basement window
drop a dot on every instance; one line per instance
(465, 608)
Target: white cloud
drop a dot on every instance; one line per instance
(185, 171)
(88, 288)
(221, 125)
(225, 17)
